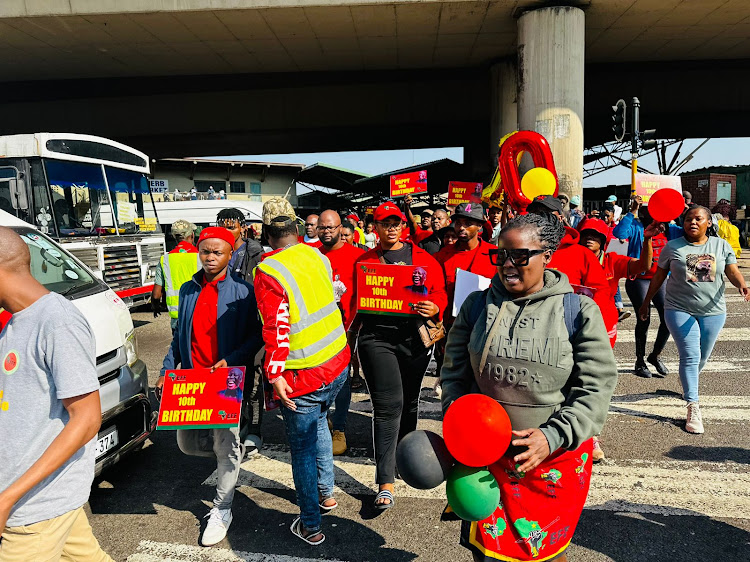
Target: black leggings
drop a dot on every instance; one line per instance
(393, 367)
(636, 290)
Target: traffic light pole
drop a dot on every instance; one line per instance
(635, 112)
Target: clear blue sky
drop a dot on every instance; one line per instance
(717, 152)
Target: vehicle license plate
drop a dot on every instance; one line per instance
(106, 442)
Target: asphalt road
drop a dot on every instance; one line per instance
(661, 494)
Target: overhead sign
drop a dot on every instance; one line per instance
(408, 184)
(159, 186)
(464, 192)
(648, 184)
(200, 399)
(391, 289)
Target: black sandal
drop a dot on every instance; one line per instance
(384, 495)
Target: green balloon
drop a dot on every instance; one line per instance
(472, 493)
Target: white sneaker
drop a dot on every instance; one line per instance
(694, 423)
(219, 521)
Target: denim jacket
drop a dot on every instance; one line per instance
(238, 325)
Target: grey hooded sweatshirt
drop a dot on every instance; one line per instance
(520, 354)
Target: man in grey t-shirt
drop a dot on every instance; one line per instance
(49, 415)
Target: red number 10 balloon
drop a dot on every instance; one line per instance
(538, 147)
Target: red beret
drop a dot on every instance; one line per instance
(216, 232)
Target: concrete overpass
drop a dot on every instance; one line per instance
(182, 77)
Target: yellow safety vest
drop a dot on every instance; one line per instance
(316, 332)
(178, 268)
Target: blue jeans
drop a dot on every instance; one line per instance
(695, 337)
(618, 300)
(310, 444)
(341, 406)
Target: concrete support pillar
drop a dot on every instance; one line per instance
(504, 100)
(550, 86)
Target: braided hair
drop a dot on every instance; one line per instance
(231, 214)
(549, 229)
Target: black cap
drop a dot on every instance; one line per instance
(470, 211)
(545, 203)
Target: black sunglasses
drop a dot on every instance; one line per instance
(519, 257)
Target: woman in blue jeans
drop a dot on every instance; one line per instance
(694, 308)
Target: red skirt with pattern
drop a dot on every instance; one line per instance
(538, 510)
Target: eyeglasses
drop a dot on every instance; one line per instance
(328, 228)
(310, 224)
(519, 256)
(389, 225)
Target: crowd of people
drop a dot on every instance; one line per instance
(538, 340)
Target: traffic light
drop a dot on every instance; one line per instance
(618, 120)
(648, 139)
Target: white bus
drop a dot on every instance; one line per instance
(92, 195)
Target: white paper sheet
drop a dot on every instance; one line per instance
(467, 283)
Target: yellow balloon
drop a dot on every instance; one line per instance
(538, 181)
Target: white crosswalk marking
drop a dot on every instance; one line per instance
(727, 334)
(666, 487)
(713, 408)
(150, 551)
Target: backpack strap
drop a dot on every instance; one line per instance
(477, 307)
(572, 309)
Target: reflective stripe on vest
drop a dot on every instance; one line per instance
(177, 268)
(316, 332)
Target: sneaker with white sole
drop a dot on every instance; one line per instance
(694, 422)
(219, 521)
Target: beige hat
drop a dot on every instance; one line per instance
(278, 210)
(183, 228)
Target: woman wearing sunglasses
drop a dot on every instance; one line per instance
(391, 352)
(542, 352)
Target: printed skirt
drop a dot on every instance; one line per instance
(538, 510)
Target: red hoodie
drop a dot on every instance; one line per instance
(582, 268)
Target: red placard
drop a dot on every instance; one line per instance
(200, 399)
(648, 184)
(464, 192)
(370, 210)
(390, 289)
(407, 184)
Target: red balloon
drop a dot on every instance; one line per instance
(666, 204)
(476, 430)
(538, 147)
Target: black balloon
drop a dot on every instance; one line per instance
(423, 459)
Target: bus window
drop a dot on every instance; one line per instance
(40, 199)
(79, 198)
(131, 196)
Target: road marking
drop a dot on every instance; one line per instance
(730, 365)
(727, 334)
(665, 487)
(151, 551)
(713, 408)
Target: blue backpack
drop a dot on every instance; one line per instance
(571, 305)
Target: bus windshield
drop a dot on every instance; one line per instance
(81, 204)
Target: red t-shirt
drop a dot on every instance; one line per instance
(474, 261)
(184, 248)
(204, 341)
(420, 235)
(342, 269)
(657, 243)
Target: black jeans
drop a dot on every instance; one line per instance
(636, 290)
(393, 366)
